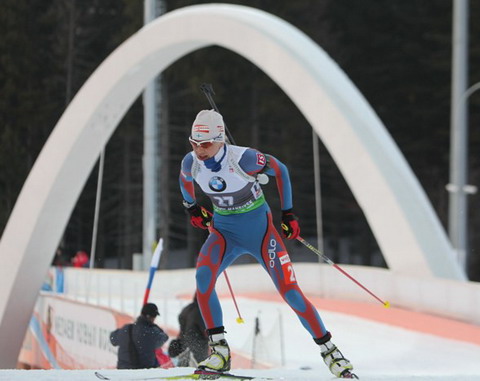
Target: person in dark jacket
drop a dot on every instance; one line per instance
(191, 345)
(137, 342)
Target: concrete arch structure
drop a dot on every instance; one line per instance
(400, 215)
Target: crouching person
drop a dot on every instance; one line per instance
(138, 342)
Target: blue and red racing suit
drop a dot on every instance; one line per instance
(242, 224)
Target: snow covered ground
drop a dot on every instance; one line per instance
(377, 350)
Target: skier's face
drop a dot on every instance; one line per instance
(206, 149)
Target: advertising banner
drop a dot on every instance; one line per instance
(65, 334)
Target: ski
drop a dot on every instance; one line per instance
(208, 375)
(101, 376)
(197, 375)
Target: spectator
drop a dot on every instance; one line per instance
(191, 345)
(80, 259)
(137, 342)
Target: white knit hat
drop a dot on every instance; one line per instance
(208, 125)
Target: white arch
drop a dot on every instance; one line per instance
(406, 228)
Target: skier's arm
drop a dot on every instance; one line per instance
(280, 171)
(199, 216)
(186, 180)
(290, 226)
(254, 162)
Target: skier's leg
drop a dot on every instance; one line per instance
(276, 261)
(209, 267)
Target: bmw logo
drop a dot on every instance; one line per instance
(217, 184)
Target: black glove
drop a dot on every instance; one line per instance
(290, 227)
(199, 216)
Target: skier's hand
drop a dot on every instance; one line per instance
(199, 216)
(290, 227)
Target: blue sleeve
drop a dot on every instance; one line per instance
(252, 161)
(186, 180)
(280, 171)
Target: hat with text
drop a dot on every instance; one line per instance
(150, 309)
(208, 125)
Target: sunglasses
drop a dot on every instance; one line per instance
(203, 144)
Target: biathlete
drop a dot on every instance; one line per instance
(242, 224)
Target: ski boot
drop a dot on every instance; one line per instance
(219, 359)
(333, 358)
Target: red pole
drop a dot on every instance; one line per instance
(330, 262)
(239, 318)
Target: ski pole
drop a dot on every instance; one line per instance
(207, 89)
(386, 304)
(239, 318)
